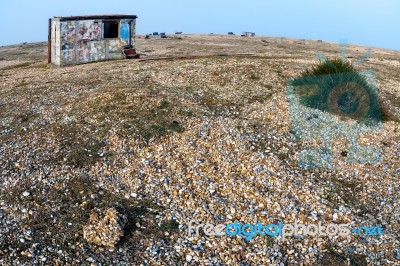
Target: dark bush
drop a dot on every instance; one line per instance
(337, 87)
(329, 66)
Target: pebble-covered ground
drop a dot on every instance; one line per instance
(198, 129)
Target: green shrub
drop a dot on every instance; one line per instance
(329, 66)
(335, 86)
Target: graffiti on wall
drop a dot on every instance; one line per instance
(82, 41)
(68, 36)
(89, 30)
(124, 32)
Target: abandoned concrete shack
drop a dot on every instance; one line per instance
(82, 39)
(249, 34)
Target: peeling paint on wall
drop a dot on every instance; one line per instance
(89, 30)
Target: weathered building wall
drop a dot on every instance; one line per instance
(55, 43)
(82, 41)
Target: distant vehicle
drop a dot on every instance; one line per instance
(163, 35)
(178, 32)
(231, 33)
(155, 33)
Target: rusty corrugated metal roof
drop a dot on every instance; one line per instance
(115, 16)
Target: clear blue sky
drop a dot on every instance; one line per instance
(372, 23)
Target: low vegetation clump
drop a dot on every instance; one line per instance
(337, 87)
(329, 66)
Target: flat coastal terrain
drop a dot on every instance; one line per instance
(198, 128)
